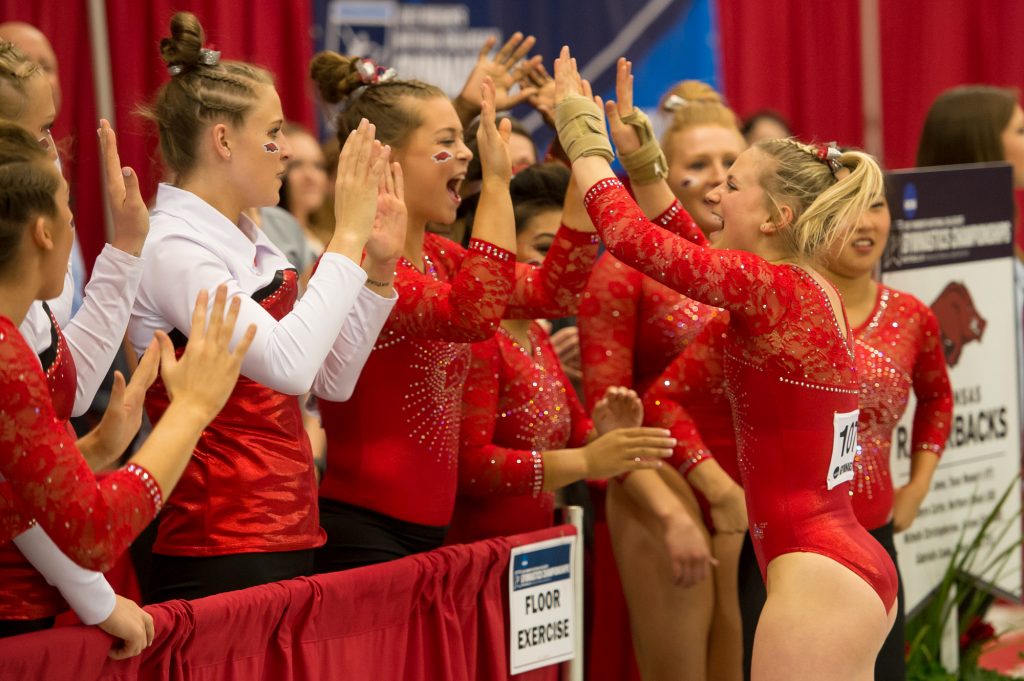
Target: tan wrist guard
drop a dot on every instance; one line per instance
(647, 164)
(581, 129)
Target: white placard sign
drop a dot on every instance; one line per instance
(952, 248)
(542, 604)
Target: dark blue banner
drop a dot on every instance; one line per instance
(667, 40)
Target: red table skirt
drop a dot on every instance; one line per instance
(439, 615)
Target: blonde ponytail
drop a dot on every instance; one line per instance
(825, 208)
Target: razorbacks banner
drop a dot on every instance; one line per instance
(952, 247)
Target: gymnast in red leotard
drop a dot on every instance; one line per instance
(790, 375)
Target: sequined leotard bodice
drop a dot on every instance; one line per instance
(791, 380)
(517, 405)
(898, 348)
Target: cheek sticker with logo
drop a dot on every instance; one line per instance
(442, 157)
(271, 148)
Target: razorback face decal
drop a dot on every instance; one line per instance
(959, 321)
(271, 148)
(442, 157)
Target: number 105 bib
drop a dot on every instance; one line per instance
(844, 446)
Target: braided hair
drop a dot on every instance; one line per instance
(199, 94)
(338, 79)
(15, 70)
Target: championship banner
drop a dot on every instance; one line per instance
(951, 246)
(438, 40)
(543, 624)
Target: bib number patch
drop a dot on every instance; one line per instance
(844, 445)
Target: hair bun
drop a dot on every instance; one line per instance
(336, 76)
(183, 46)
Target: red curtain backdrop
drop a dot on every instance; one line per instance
(275, 35)
(928, 47)
(439, 615)
(66, 24)
(799, 58)
(803, 59)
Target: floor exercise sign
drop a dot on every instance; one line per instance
(542, 604)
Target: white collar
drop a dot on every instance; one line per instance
(242, 238)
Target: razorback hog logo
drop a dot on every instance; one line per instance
(271, 148)
(959, 321)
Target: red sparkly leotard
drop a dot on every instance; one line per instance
(517, 404)
(898, 348)
(791, 380)
(48, 480)
(632, 326)
(393, 447)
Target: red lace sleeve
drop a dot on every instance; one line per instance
(741, 282)
(484, 467)
(677, 220)
(664, 405)
(662, 412)
(607, 323)
(554, 289)
(464, 308)
(92, 522)
(12, 521)
(933, 414)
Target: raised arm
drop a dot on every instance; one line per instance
(608, 326)
(503, 69)
(95, 332)
(555, 288)
(638, 149)
(92, 522)
(287, 354)
(339, 373)
(741, 282)
(468, 307)
(753, 290)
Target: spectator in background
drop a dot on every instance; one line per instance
(306, 186)
(37, 48)
(766, 124)
(974, 124)
(979, 124)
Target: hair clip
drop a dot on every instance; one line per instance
(674, 103)
(830, 154)
(371, 74)
(209, 57)
(206, 58)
